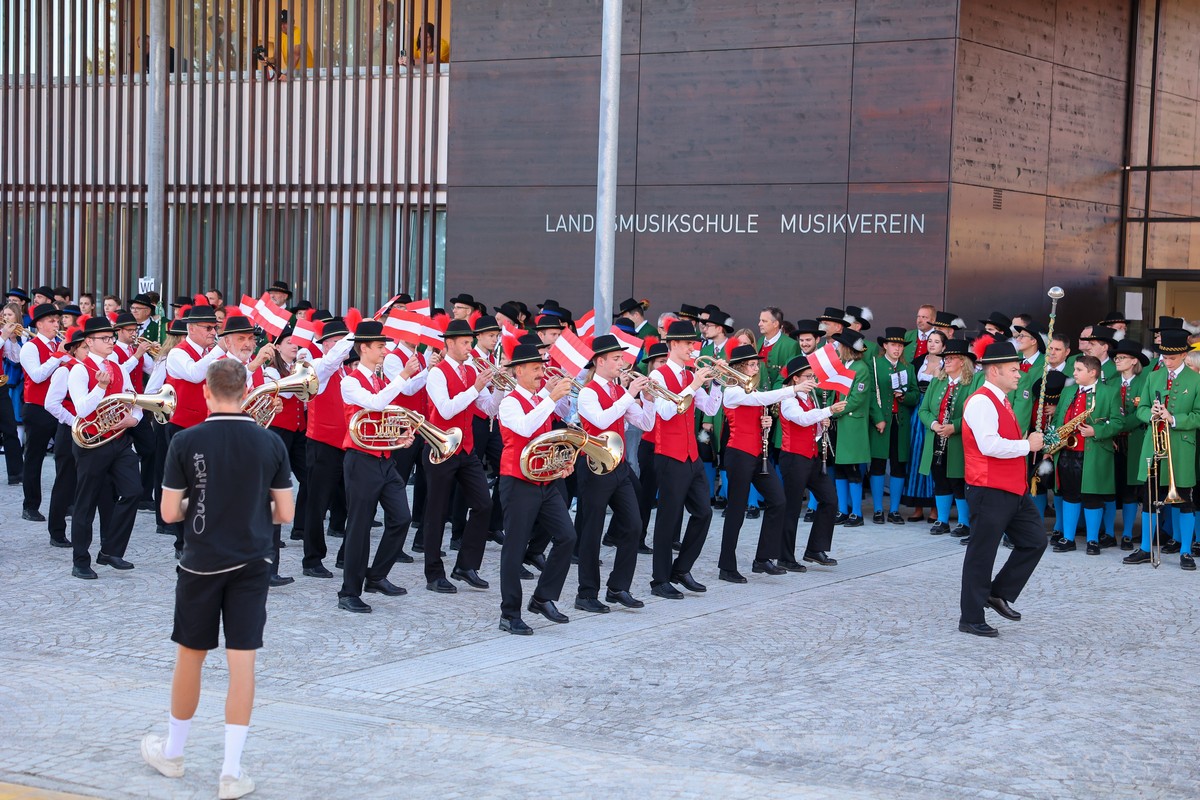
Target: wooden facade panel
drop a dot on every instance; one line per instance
(1081, 249)
(1179, 54)
(1093, 37)
(1002, 119)
(892, 20)
(689, 25)
(903, 93)
(1025, 27)
(1086, 136)
(535, 122)
(485, 30)
(774, 116)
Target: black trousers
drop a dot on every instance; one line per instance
(488, 446)
(111, 469)
(325, 464)
(879, 466)
(13, 458)
(407, 460)
(744, 469)
(681, 485)
(464, 471)
(39, 430)
(296, 444)
(596, 493)
(1070, 481)
(62, 494)
(800, 476)
(944, 485)
(528, 505)
(994, 513)
(160, 464)
(371, 481)
(648, 490)
(175, 528)
(144, 444)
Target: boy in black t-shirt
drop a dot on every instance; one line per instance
(228, 481)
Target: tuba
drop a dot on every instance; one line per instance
(99, 430)
(394, 428)
(726, 375)
(550, 456)
(260, 403)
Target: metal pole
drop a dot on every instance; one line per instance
(156, 148)
(606, 167)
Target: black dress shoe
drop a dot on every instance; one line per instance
(385, 587)
(809, 515)
(417, 547)
(1138, 556)
(441, 586)
(516, 626)
(1064, 546)
(1170, 548)
(676, 545)
(753, 513)
(339, 564)
(821, 558)
(354, 604)
(547, 609)
(296, 536)
(470, 577)
(767, 568)
(960, 531)
(666, 590)
(978, 629)
(376, 523)
(282, 543)
(895, 519)
(686, 580)
(87, 573)
(496, 536)
(966, 540)
(115, 562)
(840, 518)
(1093, 548)
(792, 566)
(1187, 562)
(404, 558)
(853, 521)
(337, 533)
(537, 561)
(939, 528)
(731, 576)
(59, 542)
(526, 575)
(624, 598)
(1001, 607)
(281, 580)
(607, 541)
(1107, 541)
(1126, 543)
(591, 604)
(14, 481)
(645, 549)
(318, 571)
(717, 502)
(32, 516)
(455, 544)
(146, 505)
(916, 517)
(878, 518)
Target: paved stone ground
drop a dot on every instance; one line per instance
(851, 682)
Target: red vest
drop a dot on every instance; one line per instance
(349, 411)
(676, 437)
(291, 416)
(114, 386)
(510, 457)
(326, 420)
(419, 400)
(1005, 474)
(461, 420)
(606, 402)
(798, 439)
(1078, 405)
(35, 392)
(190, 407)
(137, 376)
(476, 411)
(67, 402)
(745, 428)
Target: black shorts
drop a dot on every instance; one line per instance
(237, 597)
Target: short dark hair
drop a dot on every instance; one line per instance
(775, 312)
(62, 291)
(1062, 337)
(217, 292)
(226, 379)
(112, 297)
(1091, 363)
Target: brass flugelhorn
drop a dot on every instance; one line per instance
(99, 430)
(554, 372)
(656, 390)
(394, 428)
(260, 402)
(500, 379)
(154, 349)
(726, 375)
(552, 455)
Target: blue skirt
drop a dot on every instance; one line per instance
(918, 488)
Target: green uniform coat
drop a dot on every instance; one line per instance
(853, 441)
(1183, 402)
(769, 372)
(930, 406)
(1099, 469)
(1132, 428)
(881, 442)
(1023, 400)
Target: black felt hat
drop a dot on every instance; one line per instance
(689, 312)
(852, 339)
(681, 331)
(605, 344)
(45, 291)
(463, 299)
(861, 314)
(200, 315)
(1168, 324)
(1114, 316)
(809, 326)
(548, 322)
(629, 304)
(334, 326)
(510, 310)
(280, 286)
(142, 300)
(1055, 383)
(719, 317)
(456, 329)
(1172, 341)
(949, 320)
(1100, 333)
(76, 339)
(1128, 347)
(125, 320)
(796, 366)
(97, 325)
(534, 340)
(894, 335)
(961, 347)
(834, 315)
(1034, 330)
(369, 330)
(238, 323)
(47, 310)
(17, 292)
(656, 350)
(743, 353)
(526, 354)
(486, 324)
(177, 327)
(999, 353)
(999, 320)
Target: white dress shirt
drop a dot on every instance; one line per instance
(12, 350)
(736, 396)
(640, 414)
(707, 401)
(331, 362)
(981, 415)
(393, 365)
(354, 394)
(791, 410)
(513, 416)
(157, 377)
(39, 371)
(181, 366)
(56, 394)
(447, 406)
(86, 400)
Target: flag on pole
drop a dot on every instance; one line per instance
(383, 309)
(830, 371)
(270, 317)
(510, 331)
(306, 331)
(570, 353)
(247, 305)
(631, 344)
(421, 307)
(585, 326)
(408, 326)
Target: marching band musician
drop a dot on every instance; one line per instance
(891, 418)
(525, 414)
(488, 442)
(110, 468)
(1170, 397)
(371, 477)
(853, 446)
(942, 457)
(175, 332)
(136, 361)
(1101, 342)
(655, 357)
(917, 339)
(38, 361)
(414, 398)
(677, 465)
(238, 339)
(749, 419)
(1130, 362)
(289, 422)
(1031, 343)
(604, 405)
(59, 404)
(802, 463)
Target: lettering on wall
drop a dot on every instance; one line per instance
(709, 223)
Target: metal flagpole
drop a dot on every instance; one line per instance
(606, 167)
(156, 148)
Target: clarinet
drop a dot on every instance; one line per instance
(826, 447)
(939, 448)
(766, 440)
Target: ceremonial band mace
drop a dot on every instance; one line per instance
(1056, 293)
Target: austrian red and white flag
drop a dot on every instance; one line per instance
(830, 371)
(570, 353)
(411, 327)
(510, 331)
(306, 332)
(270, 317)
(422, 307)
(383, 309)
(247, 305)
(630, 343)
(585, 326)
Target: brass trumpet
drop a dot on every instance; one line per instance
(500, 379)
(394, 428)
(555, 372)
(681, 401)
(726, 375)
(260, 403)
(551, 455)
(1161, 451)
(155, 347)
(92, 433)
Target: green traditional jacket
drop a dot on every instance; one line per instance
(717, 420)
(770, 371)
(882, 411)
(156, 331)
(1133, 430)
(1023, 399)
(853, 424)
(1183, 401)
(1099, 466)
(931, 406)
(910, 345)
(1108, 372)
(645, 329)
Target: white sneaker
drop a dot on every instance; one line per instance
(152, 752)
(232, 788)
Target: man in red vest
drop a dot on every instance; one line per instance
(59, 404)
(110, 468)
(40, 356)
(138, 366)
(409, 459)
(526, 413)
(997, 495)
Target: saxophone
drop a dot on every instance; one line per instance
(939, 446)
(1065, 435)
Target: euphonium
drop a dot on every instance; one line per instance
(660, 392)
(500, 379)
(551, 455)
(92, 433)
(726, 375)
(394, 428)
(260, 403)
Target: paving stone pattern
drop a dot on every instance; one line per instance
(850, 682)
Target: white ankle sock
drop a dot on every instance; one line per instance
(235, 740)
(177, 734)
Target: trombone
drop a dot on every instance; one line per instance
(726, 375)
(1161, 443)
